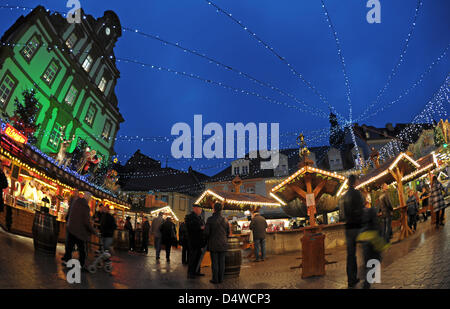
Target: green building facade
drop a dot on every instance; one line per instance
(72, 68)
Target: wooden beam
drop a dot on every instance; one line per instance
(299, 191)
(319, 187)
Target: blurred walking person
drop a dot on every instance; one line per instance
(353, 212)
(216, 231)
(196, 241)
(168, 236)
(182, 236)
(79, 228)
(258, 226)
(412, 210)
(437, 200)
(156, 225)
(145, 235)
(107, 227)
(386, 214)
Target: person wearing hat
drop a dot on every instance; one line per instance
(196, 240)
(156, 225)
(79, 228)
(216, 231)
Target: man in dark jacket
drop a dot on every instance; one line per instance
(216, 231)
(107, 227)
(353, 212)
(386, 214)
(145, 235)
(182, 236)
(258, 227)
(3, 185)
(79, 228)
(196, 241)
(156, 225)
(129, 227)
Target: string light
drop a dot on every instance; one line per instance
(399, 62)
(407, 91)
(281, 58)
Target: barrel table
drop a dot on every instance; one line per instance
(45, 232)
(233, 258)
(121, 240)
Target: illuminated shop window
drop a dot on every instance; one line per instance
(106, 130)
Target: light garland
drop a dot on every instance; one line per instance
(406, 92)
(399, 62)
(275, 53)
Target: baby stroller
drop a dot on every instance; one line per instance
(102, 260)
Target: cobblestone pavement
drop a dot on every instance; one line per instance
(421, 261)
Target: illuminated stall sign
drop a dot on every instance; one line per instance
(15, 135)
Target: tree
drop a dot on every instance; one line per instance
(336, 132)
(438, 135)
(25, 115)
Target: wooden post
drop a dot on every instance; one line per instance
(311, 209)
(405, 230)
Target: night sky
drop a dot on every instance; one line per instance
(151, 101)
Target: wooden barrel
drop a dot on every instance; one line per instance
(138, 240)
(233, 258)
(121, 240)
(45, 232)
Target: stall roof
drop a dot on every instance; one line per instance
(232, 200)
(334, 183)
(376, 177)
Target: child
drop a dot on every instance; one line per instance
(412, 210)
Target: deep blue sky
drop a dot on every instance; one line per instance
(152, 101)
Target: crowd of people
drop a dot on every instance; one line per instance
(372, 226)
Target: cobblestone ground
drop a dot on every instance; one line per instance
(421, 261)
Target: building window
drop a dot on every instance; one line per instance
(245, 170)
(6, 89)
(236, 170)
(87, 63)
(71, 95)
(55, 136)
(50, 73)
(90, 115)
(106, 130)
(71, 40)
(30, 49)
(182, 203)
(102, 84)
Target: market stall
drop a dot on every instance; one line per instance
(36, 182)
(235, 201)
